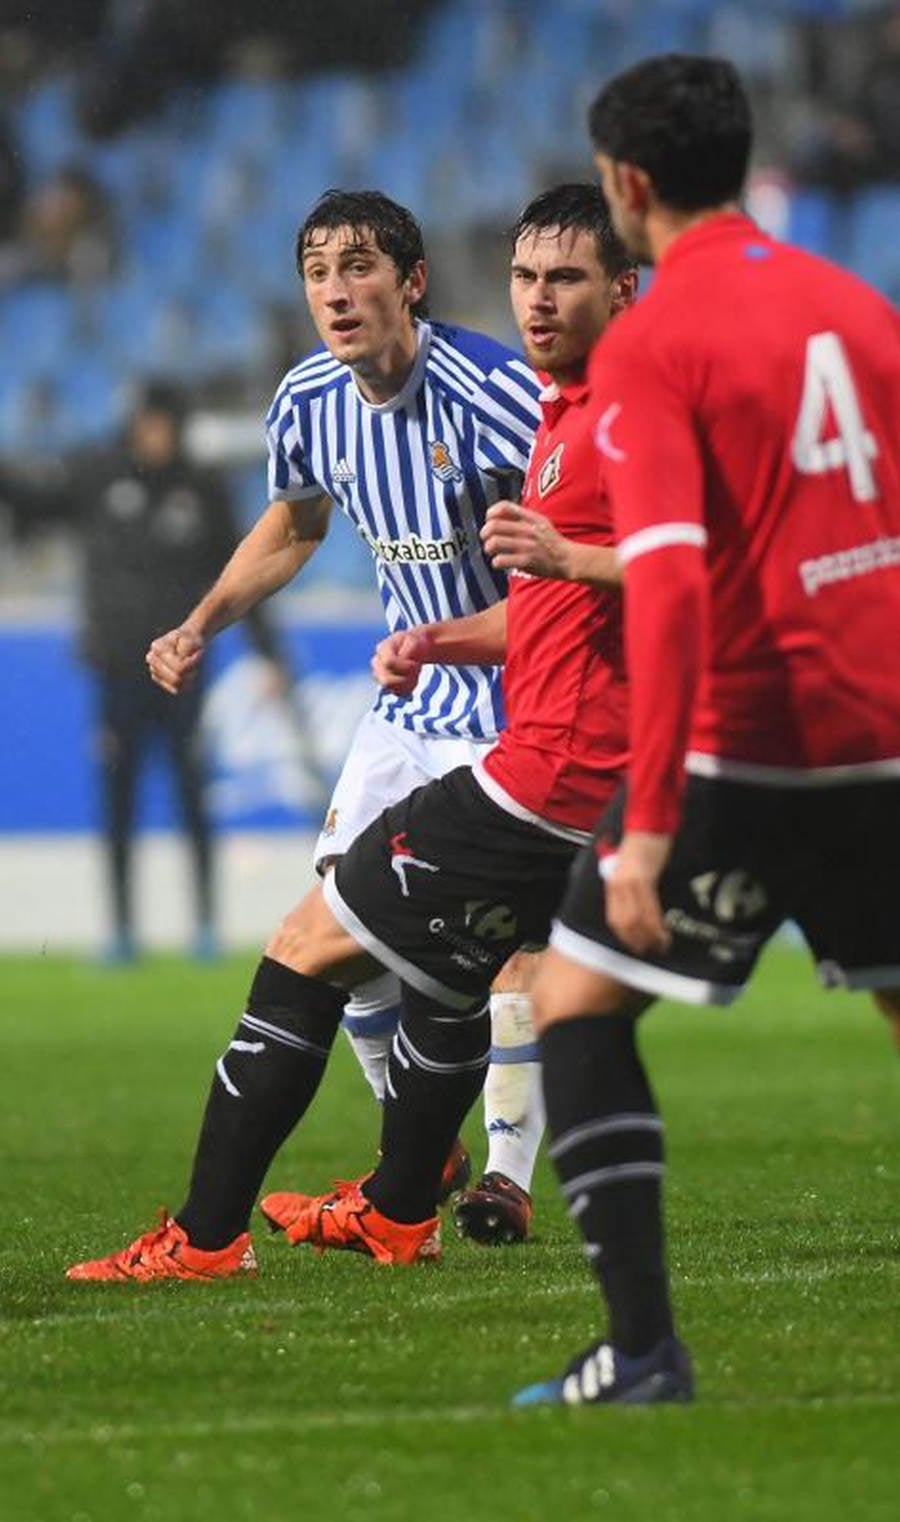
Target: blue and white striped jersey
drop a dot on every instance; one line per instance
(415, 476)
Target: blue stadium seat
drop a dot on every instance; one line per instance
(35, 419)
(563, 35)
(449, 40)
(93, 395)
(198, 194)
(47, 129)
(250, 113)
(874, 246)
(126, 314)
(152, 333)
(404, 159)
(335, 132)
(164, 250)
(812, 219)
(35, 325)
(498, 182)
(143, 169)
(260, 253)
(662, 30)
(230, 335)
(428, 102)
(117, 165)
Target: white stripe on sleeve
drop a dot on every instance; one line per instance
(659, 536)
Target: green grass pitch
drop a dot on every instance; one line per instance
(330, 1388)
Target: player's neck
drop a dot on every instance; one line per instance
(665, 225)
(573, 375)
(380, 377)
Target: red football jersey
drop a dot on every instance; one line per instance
(563, 752)
(747, 418)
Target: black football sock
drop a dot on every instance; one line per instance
(263, 1084)
(436, 1070)
(606, 1142)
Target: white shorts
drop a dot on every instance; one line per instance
(384, 763)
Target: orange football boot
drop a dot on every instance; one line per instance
(455, 1175)
(346, 1219)
(166, 1253)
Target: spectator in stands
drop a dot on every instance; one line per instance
(149, 48)
(11, 194)
(848, 129)
(156, 531)
(11, 182)
(68, 231)
(879, 99)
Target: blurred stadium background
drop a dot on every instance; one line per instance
(155, 160)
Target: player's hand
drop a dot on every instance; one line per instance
(398, 660)
(518, 539)
(633, 909)
(174, 659)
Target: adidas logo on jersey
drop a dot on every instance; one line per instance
(343, 473)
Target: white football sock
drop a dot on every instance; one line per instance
(513, 1100)
(370, 1020)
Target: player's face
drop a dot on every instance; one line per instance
(359, 304)
(562, 298)
(626, 191)
(154, 437)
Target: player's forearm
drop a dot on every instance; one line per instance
(267, 558)
(596, 564)
(665, 621)
(479, 639)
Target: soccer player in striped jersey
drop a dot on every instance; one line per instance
(414, 429)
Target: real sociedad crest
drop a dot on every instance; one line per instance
(550, 471)
(442, 462)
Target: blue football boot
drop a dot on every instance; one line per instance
(601, 1375)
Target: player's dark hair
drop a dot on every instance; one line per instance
(685, 120)
(582, 208)
(156, 395)
(395, 230)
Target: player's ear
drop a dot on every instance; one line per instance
(623, 291)
(415, 283)
(634, 186)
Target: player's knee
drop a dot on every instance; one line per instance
(309, 940)
(888, 1001)
(518, 974)
(565, 991)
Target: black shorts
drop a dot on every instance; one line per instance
(745, 859)
(444, 887)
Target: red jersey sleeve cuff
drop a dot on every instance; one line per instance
(655, 819)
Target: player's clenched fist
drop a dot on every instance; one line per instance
(518, 539)
(399, 659)
(174, 658)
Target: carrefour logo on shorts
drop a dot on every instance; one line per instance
(416, 551)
